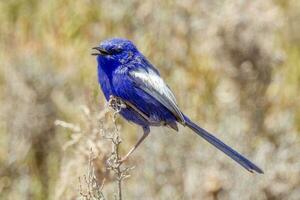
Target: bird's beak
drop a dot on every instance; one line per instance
(100, 50)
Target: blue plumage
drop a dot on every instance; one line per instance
(124, 73)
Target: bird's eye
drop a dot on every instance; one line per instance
(116, 50)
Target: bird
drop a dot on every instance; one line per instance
(125, 75)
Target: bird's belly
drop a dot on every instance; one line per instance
(134, 117)
(105, 84)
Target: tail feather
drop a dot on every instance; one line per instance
(223, 147)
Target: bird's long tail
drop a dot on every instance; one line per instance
(223, 147)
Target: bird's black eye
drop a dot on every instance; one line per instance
(116, 50)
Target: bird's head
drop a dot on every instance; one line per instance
(115, 51)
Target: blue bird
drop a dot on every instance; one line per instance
(125, 75)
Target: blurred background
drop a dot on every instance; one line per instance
(233, 66)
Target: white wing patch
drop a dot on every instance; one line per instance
(154, 85)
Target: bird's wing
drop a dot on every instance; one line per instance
(150, 81)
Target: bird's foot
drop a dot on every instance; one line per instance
(116, 103)
(123, 160)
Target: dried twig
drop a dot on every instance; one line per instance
(113, 162)
(93, 190)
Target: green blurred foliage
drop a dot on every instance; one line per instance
(233, 66)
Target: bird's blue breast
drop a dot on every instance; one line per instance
(105, 83)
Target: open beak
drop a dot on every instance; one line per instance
(100, 51)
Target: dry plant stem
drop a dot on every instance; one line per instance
(116, 143)
(93, 190)
(113, 161)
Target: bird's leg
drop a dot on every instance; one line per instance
(117, 104)
(145, 134)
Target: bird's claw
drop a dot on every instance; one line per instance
(116, 103)
(122, 160)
